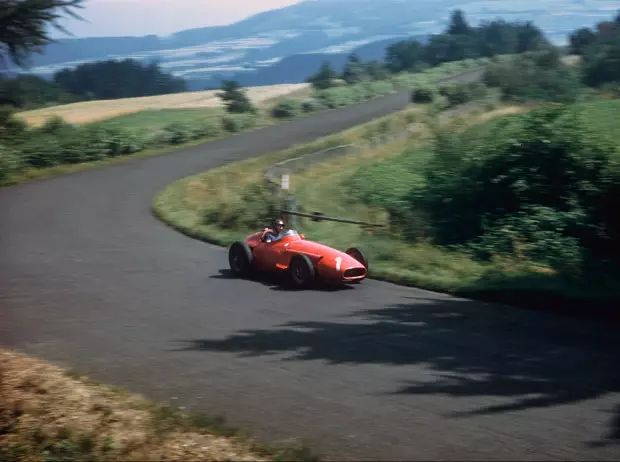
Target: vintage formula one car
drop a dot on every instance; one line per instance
(304, 261)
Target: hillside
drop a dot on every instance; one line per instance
(334, 27)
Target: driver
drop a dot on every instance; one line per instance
(276, 232)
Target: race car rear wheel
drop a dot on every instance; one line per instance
(301, 271)
(358, 254)
(240, 258)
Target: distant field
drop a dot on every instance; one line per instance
(92, 111)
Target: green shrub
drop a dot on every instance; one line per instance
(177, 133)
(120, 141)
(547, 169)
(10, 163)
(457, 94)
(537, 76)
(238, 122)
(53, 125)
(287, 108)
(423, 95)
(41, 151)
(208, 128)
(378, 87)
(336, 97)
(72, 145)
(311, 105)
(12, 129)
(536, 233)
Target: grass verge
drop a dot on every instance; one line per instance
(47, 413)
(225, 204)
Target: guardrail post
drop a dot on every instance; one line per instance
(290, 204)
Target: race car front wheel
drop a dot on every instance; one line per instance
(358, 254)
(240, 258)
(301, 271)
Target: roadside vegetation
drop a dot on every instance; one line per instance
(57, 145)
(51, 414)
(518, 208)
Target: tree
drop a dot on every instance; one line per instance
(601, 62)
(377, 71)
(406, 55)
(323, 78)
(580, 40)
(24, 26)
(235, 98)
(354, 70)
(458, 24)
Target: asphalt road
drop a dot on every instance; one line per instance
(91, 280)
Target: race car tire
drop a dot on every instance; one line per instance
(240, 258)
(301, 271)
(358, 254)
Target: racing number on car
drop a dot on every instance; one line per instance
(338, 262)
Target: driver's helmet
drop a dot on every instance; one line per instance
(278, 226)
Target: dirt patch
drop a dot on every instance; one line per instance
(45, 412)
(91, 111)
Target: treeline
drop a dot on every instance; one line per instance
(91, 81)
(118, 79)
(458, 42)
(530, 68)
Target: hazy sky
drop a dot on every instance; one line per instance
(161, 17)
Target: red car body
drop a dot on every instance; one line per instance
(304, 260)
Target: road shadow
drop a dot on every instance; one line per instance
(528, 359)
(279, 282)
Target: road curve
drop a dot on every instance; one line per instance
(90, 279)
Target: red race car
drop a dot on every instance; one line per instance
(304, 261)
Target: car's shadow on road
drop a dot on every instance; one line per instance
(279, 282)
(524, 359)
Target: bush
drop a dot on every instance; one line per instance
(311, 105)
(422, 96)
(539, 76)
(12, 129)
(549, 170)
(287, 108)
(53, 125)
(538, 234)
(119, 141)
(237, 123)
(41, 151)
(208, 128)
(177, 133)
(10, 163)
(457, 94)
(335, 97)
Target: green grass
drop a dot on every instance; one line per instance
(154, 119)
(217, 206)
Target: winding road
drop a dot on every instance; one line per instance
(91, 280)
